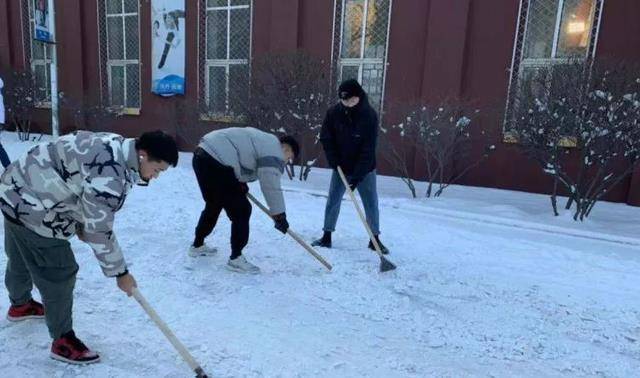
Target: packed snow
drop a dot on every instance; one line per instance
(489, 284)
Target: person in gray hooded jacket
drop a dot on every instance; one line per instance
(224, 162)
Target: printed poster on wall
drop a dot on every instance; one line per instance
(42, 20)
(168, 47)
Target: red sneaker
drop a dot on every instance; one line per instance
(68, 348)
(29, 310)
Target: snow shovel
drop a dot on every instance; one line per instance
(294, 235)
(385, 265)
(184, 353)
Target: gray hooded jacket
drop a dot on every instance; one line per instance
(254, 155)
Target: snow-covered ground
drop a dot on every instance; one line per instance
(488, 284)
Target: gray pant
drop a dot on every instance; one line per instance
(368, 193)
(50, 265)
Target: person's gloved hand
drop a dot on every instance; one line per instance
(244, 188)
(280, 222)
(353, 183)
(80, 231)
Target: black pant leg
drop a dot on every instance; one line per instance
(238, 209)
(208, 175)
(206, 222)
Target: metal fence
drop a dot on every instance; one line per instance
(119, 41)
(360, 41)
(224, 41)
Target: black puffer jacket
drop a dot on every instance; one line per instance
(349, 138)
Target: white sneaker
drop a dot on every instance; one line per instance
(203, 250)
(242, 265)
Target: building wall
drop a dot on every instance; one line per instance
(454, 48)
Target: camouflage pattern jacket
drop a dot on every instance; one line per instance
(74, 185)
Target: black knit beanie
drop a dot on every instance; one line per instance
(350, 88)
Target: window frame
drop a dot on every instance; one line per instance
(107, 64)
(227, 63)
(520, 64)
(28, 31)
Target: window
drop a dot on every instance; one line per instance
(120, 53)
(550, 32)
(37, 56)
(361, 31)
(225, 71)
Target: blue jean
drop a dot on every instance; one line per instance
(4, 158)
(368, 193)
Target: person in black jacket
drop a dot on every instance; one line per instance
(349, 136)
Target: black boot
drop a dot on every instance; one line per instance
(324, 241)
(383, 249)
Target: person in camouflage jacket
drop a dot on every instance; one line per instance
(73, 185)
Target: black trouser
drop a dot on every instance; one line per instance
(221, 190)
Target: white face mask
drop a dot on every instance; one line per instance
(350, 102)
